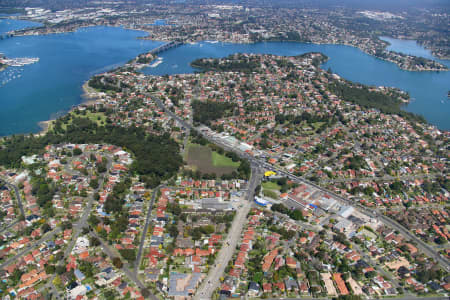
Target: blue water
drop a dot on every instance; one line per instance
(7, 25)
(410, 47)
(54, 84)
(160, 22)
(51, 86)
(428, 90)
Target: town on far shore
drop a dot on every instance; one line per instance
(256, 21)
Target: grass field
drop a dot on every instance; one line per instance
(94, 117)
(269, 185)
(271, 194)
(317, 125)
(201, 158)
(219, 160)
(98, 118)
(270, 189)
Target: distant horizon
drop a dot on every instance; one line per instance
(356, 4)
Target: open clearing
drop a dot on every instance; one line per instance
(271, 189)
(97, 117)
(201, 158)
(219, 160)
(269, 185)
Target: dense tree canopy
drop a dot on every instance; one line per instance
(205, 112)
(361, 95)
(156, 157)
(233, 63)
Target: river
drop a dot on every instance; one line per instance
(53, 85)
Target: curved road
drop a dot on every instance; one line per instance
(17, 192)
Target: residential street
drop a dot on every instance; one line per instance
(26, 249)
(111, 253)
(82, 222)
(428, 250)
(145, 230)
(18, 197)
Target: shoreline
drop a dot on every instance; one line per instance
(44, 125)
(89, 97)
(444, 68)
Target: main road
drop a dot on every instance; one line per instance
(422, 246)
(212, 281)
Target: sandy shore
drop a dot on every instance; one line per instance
(45, 125)
(90, 95)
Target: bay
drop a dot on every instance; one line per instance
(7, 25)
(410, 47)
(49, 88)
(428, 90)
(52, 86)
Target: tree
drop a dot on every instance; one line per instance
(66, 225)
(128, 254)
(87, 268)
(441, 240)
(16, 275)
(145, 293)
(50, 269)
(196, 234)
(94, 183)
(77, 151)
(111, 294)
(208, 229)
(101, 167)
(46, 228)
(173, 231)
(117, 262)
(57, 281)
(94, 242)
(60, 270)
(205, 112)
(93, 220)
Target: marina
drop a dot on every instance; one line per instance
(19, 62)
(157, 62)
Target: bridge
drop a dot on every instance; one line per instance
(165, 47)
